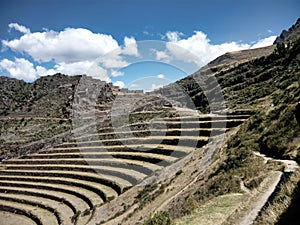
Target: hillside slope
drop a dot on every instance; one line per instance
(267, 86)
(73, 154)
(38, 114)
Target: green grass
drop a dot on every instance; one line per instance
(213, 212)
(285, 206)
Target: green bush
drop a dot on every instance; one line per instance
(162, 218)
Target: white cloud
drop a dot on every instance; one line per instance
(98, 72)
(155, 86)
(113, 60)
(130, 47)
(116, 73)
(162, 56)
(80, 51)
(74, 51)
(19, 28)
(161, 76)
(173, 35)
(20, 68)
(197, 48)
(148, 33)
(119, 83)
(42, 71)
(23, 69)
(134, 85)
(264, 42)
(67, 46)
(76, 68)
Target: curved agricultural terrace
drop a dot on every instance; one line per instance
(65, 184)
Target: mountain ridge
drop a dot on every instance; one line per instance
(261, 92)
(292, 34)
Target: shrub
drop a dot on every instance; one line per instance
(162, 218)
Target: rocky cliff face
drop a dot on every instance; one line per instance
(40, 114)
(292, 34)
(49, 96)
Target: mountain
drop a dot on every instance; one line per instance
(262, 82)
(48, 96)
(257, 81)
(230, 58)
(292, 34)
(39, 114)
(74, 150)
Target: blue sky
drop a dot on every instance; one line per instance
(44, 37)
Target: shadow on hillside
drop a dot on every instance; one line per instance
(291, 216)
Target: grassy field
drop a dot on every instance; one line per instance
(214, 212)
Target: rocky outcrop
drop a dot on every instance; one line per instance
(291, 34)
(49, 96)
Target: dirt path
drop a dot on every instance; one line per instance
(267, 189)
(290, 165)
(261, 198)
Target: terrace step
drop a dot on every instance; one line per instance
(96, 152)
(39, 215)
(110, 134)
(38, 193)
(208, 117)
(174, 150)
(194, 124)
(199, 123)
(141, 166)
(73, 202)
(152, 140)
(163, 160)
(8, 218)
(124, 173)
(97, 144)
(106, 181)
(83, 198)
(104, 192)
(63, 212)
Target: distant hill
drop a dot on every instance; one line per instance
(241, 56)
(48, 96)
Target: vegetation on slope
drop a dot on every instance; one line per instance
(49, 96)
(284, 208)
(21, 135)
(32, 114)
(269, 87)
